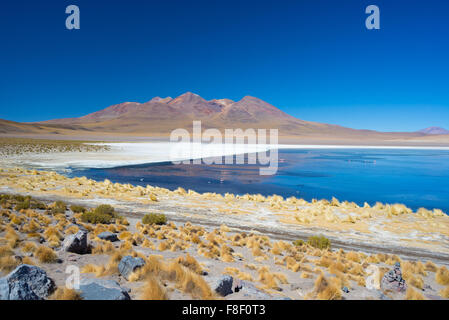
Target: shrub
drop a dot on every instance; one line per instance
(58, 207)
(78, 209)
(154, 218)
(23, 205)
(105, 209)
(38, 205)
(95, 218)
(104, 214)
(320, 242)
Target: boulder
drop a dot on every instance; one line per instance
(129, 264)
(26, 283)
(100, 289)
(76, 243)
(393, 281)
(108, 236)
(223, 285)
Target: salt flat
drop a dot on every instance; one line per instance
(123, 154)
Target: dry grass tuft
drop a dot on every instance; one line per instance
(353, 256)
(65, 294)
(8, 263)
(28, 247)
(12, 237)
(152, 290)
(412, 294)
(45, 254)
(6, 251)
(430, 266)
(325, 289)
(442, 276)
(445, 292)
(190, 262)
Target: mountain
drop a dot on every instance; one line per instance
(434, 131)
(158, 117)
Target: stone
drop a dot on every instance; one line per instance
(129, 264)
(252, 292)
(345, 290)
(223, 286)
(108, 236)
(26, 283)
(393, 281)
(76, 243)
(100, 289)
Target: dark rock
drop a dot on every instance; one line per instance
(108, 236)
(26, 283)
(99, 289)
(345, 290)
(129, 264)
(223, 286)
(76, 243)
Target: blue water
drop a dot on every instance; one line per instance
(417, 178)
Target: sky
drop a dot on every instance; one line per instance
(314, 59)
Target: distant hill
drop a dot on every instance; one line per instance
(160, 116)
(434, 130)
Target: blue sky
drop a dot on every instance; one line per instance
(313, 59)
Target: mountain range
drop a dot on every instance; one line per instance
(159, 116)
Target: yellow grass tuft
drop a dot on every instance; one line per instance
(353, 256)
(28, 247)
(445, 292)
(8, 263)
(152, 290)
(269, 279)
(6, 251)
(442, 276)
(412, 294)
(125, 235)
(430, 266)
(103, 247)
(71, 230)
(190, 262)
(325, 289)
(65, 294)
(45, 254)
(12, 237)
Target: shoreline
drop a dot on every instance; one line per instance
(381, 227)
(139, 153)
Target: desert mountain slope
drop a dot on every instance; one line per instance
(160, 116)
(434, 131)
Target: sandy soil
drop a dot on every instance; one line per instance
(273, 269)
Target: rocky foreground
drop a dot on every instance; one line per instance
(121, 257)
